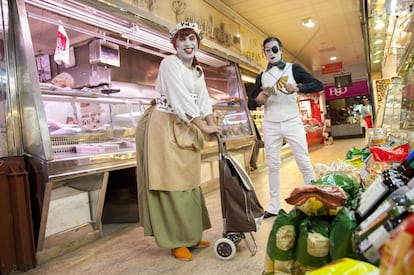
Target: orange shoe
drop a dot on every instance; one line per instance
(182, 253)
(201, 244)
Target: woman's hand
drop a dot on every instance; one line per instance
(208, 127)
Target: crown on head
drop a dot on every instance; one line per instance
(185, 25)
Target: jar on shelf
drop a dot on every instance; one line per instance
(377, 136)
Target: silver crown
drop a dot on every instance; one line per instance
(184, 25)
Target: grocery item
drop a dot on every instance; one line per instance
(312, 249)
(373, 196)
(397, 253)
(318, 199)
(346, 266)
(340, 236)
(398, 200)
(348, 182)
(369, 246)
(282, 242)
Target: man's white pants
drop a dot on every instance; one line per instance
(294, 133)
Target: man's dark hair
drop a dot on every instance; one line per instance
(267, 40)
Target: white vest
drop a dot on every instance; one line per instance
(279, 106)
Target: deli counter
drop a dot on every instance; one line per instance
(83, 172)
(90, 180)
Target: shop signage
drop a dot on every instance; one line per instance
(332, 68)
(357, 88)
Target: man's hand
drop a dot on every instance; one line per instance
(264, 94)
(290, 88)
(262, 98)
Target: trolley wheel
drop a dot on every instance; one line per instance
(225, 249)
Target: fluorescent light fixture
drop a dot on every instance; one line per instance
(332, 58)
(307, 22)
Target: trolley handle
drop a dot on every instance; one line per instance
(222, 149)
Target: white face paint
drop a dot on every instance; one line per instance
(270, 55)
(186, 47)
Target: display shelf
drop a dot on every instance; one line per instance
(397, 111)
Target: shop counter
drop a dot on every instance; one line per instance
(347, 130)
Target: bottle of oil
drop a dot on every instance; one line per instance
(369, 246)
(384, 211)
(385, 183)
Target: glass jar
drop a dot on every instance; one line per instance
(377, 137)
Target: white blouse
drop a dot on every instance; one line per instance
(182, 90)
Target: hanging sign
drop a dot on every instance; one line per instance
(332, 68)
(62, 47)
(357, 88)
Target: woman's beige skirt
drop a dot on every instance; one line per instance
(174, 218)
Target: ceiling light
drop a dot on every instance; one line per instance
(307, 22)
(332, 58)
(379, 25)
(378, 41)
(376, 61)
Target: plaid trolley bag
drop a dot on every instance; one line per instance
(240, 207)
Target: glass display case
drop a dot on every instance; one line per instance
(313, 128)
(92, 137)
(84, 124)
(396, 114)
(398, 109)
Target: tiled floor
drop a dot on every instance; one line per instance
(127, 251)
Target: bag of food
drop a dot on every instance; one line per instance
(312, 249)
(386, 154)
(397, 253)
(346, 266)
(340, 237)
(348, 182)
(281, 242)
(318, 199)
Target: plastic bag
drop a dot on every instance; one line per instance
(356, 153)
(312, 249)
(396, 154)
(348, 182)
(341, 234)
(322, 169)
(346, 266)
(62, 46)
(282, 242)
(318, 199)
(357, 156)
